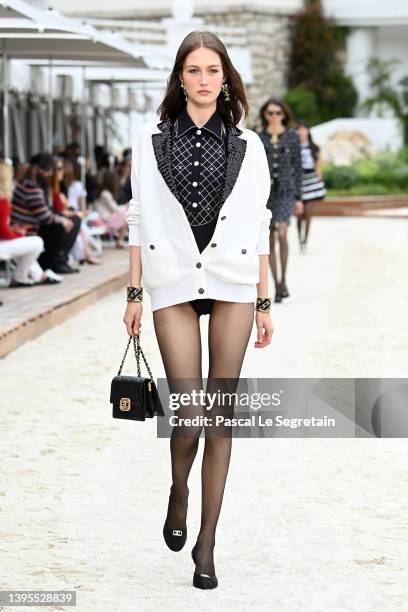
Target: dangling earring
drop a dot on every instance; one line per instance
(225, 90)
(185, 93)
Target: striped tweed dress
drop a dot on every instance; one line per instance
(313, 188)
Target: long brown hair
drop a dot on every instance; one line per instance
(6, 180)
(174, 100)
(313, 146)
(109, 180)
(55, 183)
(71, 172)
(287, 113)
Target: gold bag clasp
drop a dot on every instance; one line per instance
(124, 404)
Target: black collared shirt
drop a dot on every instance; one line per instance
(198, 162)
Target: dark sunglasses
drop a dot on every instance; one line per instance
(272, 113)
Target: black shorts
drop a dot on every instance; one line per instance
(202, 306)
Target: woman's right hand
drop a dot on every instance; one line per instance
(132, 318)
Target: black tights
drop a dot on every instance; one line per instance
(178, 334)
(282, 232)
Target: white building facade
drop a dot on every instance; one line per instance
(378, 30)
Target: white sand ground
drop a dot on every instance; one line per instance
(316, 525)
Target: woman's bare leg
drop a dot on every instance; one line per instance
(230, 328)
(309, 208)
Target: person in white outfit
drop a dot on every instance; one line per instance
(74, 202)
(112, 214)
(24, 250)
(199, 240)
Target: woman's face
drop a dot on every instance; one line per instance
(274, 115)
(202, 76)
(303, 133)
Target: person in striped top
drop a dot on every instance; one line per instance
(31, 209)
(313, 186)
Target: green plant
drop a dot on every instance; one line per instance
(368, 170)
(371, 189)
(396, 177)
(385, 95)
(340, 177)
(315, 64)
(303, 104)
(387, 173)
(340, 97)
(403, 154)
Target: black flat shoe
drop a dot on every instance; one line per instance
(203, 581)
(64, 268)
(175, 538)
(284, 291)
(278, 295)
(17, 285)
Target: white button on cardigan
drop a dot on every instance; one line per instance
(174, 270)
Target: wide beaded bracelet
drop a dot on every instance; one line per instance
(134, 294)
(263, 304)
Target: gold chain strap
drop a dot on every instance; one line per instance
(138, 351)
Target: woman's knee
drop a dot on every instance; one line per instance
(38, 244)
(188, 432)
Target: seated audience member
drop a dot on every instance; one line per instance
(113, 215)
(74, 205)
(72, 151)
(31, 207)
(72, 186)
(23, 250)
(20, 170)
(101, 158)
(123, 170)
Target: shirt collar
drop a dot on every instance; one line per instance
(185, 123)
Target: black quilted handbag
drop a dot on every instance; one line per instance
(135, 397)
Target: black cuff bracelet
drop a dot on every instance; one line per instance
(263, 304)
(134, 294)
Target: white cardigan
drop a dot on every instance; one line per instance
(173, 269)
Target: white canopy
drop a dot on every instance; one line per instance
(29, 33)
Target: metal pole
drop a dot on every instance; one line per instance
(109, 136)
(50, 106)
(6, 135)
(130, 133)
(129, 119)
(83, 127)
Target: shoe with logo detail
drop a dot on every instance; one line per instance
(175, 537)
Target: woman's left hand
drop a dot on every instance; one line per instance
(264, 329)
